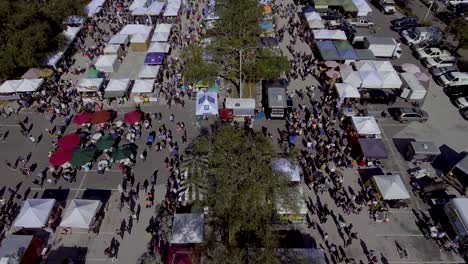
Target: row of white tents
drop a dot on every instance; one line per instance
(35, 213)
(372, 74)
(115, 87)
(21, 86)
(145, 7)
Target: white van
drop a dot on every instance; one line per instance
(441, 61)
(455, 2)
(453, 79)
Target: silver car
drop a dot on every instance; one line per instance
(438, 71)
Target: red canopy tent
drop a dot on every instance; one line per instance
(226, 114)
(82, 118)
(100, 117)
(69, 142)
(133, 117)
(59, 157)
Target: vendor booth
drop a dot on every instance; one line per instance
(154, 58)
(29, 85)
(107, 63)
(371, 79)
(351, 77)
(120, 39)
(113, 49)
(137, 4)
(344, 91)
(159, 47)
(35, 213)
(187, 228)
(140, 41)
(274, 94)
(364, 65)
(80, 213)
(117, 88)
(143, 91)
(242, 107)
(325, 34)
(162, 33)
(89, 88)
(149, 72)
(372, 148)
(206, 103)
(390, 80)
(383, 66)
(423, 151)
(20, 249)
(391, 187)
(172, 8)
(365, 125)
(10, 86)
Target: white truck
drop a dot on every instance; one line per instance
(431, 53)
(420, 35)
(386, 6)
(359, 22)
(384, 47)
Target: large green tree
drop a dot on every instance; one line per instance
(200, 69)
(459, 29)
(30, 30)
(241, 192)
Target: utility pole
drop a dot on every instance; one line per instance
(240, 73)
(429, 10)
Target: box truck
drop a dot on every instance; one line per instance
(384, 47)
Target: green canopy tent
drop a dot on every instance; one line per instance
(81, 157)
(93, 73)
(105, 142)
(121, 153)
(349, 6)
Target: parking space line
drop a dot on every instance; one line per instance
(424, 262)
(81, 184)
(399, 235)
(9, 125)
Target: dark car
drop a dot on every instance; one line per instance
(457, 91)
(377, 96)
(406, 114)
(399, 29)
(404, 21)
(438, 71)
(464, 113)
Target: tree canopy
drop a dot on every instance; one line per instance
(30, 30)
(241, 192)
(459, 29)
(236, 36)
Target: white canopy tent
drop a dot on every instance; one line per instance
(80, 213)
(351, 77)
(143, 86)
(346, 90)
(107, 63)
(371, 79)
(149, 72)
(364, 65)
(69, 34)
(89, 84)
(391, 187)
(133, 29)
(159, 47)
(94, 7)
(120, 39)
(383, 66)
(116, 88)
(112, 49)
(366, 125)
(172, 8)
(138, 4)
(206, 103)
(162, 33)
(187, 228)
(329, 34)
(316, 24)
(363, 8)
(29, 85)
(34, 213)
(312, 16)
(140, 11)
(288, 168)
(390, 80)
(155, 8)
(10, 86)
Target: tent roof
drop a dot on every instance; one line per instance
(119, 39)
(34, 213)
(187, 228)
(94, 7)
(329, 34)
(463, 164)
(139, 38)
(112, 48)
(342, 45)
(30, 85)
(366, 125)
(347, 54)
(371, 79)
(149, 71)
(383, 66)
(118, 85)
(316, 24)
(373, 148)
(312, 16)
(89, 84)
(14, 245)
(206, 104)
(327, 50)
(349, 6)
(364, 65)
(159, 47)
(10, 86)
(346, 90)
(133, 29)
(80, 213)
(162, 33)
(391, 187)
(137, 4)
(362, 5)
(289, 168)
(390, 79)
(155, 8)
(106, 60)
(412, 81)
(143, 86)
(172, 9)
(425, 147)
(364, 54)
(351, 77)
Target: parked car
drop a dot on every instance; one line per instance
(406, 114)
(418, 47)
(437, 71)
(399, 29)
(377, 96)
(431, 53)
(453, 79)
(462, 102)
(439, 61)
(404, 21)
(457, 91)
(464, 113)
(360, 22)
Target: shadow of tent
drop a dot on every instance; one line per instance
(97, 194)
(295, 239)
(402, 144)
(447, 159)
(61, 254)
(366, 174)
(60, 195)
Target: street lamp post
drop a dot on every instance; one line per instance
(429, 10)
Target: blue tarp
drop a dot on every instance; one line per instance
(308, 9)
(267, 25)
(327, 50)
(348, 54)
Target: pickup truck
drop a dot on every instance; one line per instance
(362, 22)
(431, 53)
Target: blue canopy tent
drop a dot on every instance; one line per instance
(267, 25)
(345, 50)
(327, 50)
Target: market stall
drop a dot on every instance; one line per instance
(345, 50)
(352, 78)
(314, 20)
(390, 80)
(80, 213)
(154, 58)
(35, 213)
(424, 151)
(120, 39)
(206, 103)
(89, 88)
(140, 41)
(162, 33)
(136, 4)
(371, 79)
(345, 91)
(20, 249)
(391, 187)
(159, 47)
(364, 65)
(149, 71)
(172, 8)
(242, 107)
(113, 49)
(117, 88)
(107, 63)
(296, 213)
(10, 86)
(365, 125)
(372, 148)
(326, 34)
(187, 228)
(327, 50)
(143, 91)
(383, 66)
